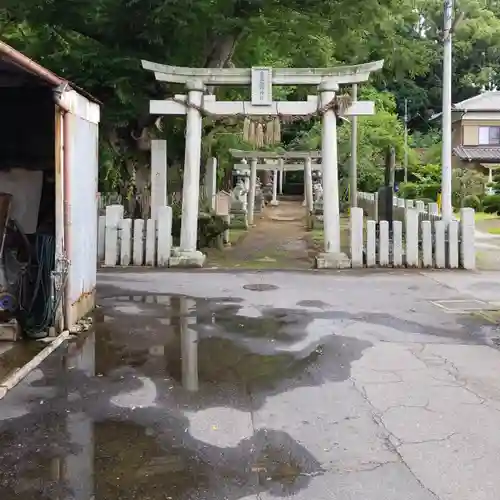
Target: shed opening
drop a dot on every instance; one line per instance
(30, 290)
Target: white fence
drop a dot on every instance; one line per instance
(426, 211)
(137, 242)
(419, 237)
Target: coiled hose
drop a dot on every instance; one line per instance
(38, 298)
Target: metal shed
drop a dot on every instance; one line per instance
(49, 132)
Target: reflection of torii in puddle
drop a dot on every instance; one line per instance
(261, 80)
(140, 402)
(198, 332)
(276, 162)
(189, 334)
(268, 460)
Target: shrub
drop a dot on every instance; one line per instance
(210, 227)
(491, 203)
(409, 191)
(430, 191)
(473, 201)
(427, 200)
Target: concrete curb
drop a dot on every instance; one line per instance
(18, 375)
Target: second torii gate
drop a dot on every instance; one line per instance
(285, 167)
(276, 162)
(261, 80)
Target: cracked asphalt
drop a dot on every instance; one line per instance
(195, 385)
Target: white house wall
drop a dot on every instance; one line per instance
(83, 176)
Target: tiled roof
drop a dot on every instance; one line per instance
(487, 101)
(486, 154)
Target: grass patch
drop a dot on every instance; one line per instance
(479, 216)
(494, 230)
(484, 216)
(236, 234)
(317, 235)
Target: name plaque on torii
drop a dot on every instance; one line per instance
(262, 86)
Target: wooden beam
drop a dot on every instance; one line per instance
(231, 108)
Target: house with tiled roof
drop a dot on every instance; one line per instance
(476, 132)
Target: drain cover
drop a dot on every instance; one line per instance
(461, 305)
(261, 287)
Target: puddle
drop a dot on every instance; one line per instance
(210, 347)
(18, 355)
(157, 403)
(260, 287)
(79, 448)
(312, 303)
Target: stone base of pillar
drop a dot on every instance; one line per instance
(274, 203)
(332, 261)
(188, 259)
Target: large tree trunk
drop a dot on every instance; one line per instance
(221, 51)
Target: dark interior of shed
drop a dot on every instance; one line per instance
(28, 296)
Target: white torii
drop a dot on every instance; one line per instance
(287, 167)
(275, 161)
(279, 158)
(261, 80)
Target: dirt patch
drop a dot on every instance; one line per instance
(278, 240)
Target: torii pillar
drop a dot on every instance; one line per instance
(332, 257)
(188, 255)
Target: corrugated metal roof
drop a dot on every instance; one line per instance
(485, 154)
(487, 101)
(18, 60)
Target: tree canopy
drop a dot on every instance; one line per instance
(99, 47)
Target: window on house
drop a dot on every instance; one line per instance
(489, 135)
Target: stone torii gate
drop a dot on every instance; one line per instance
(278, 165)
(261, 80)
(287, 167)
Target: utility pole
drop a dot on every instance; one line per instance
(446, 209)
(353, 174)
(406, 141)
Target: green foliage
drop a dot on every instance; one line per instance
(430, 191)
(210, 226)
(427, 174)
(473, 201)
(100, 48)
(210, 229)
(491, 204)
(375, 134)
(425, 140)
(370, 178)
(409, 191)
(467, 182)
(425, 183)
